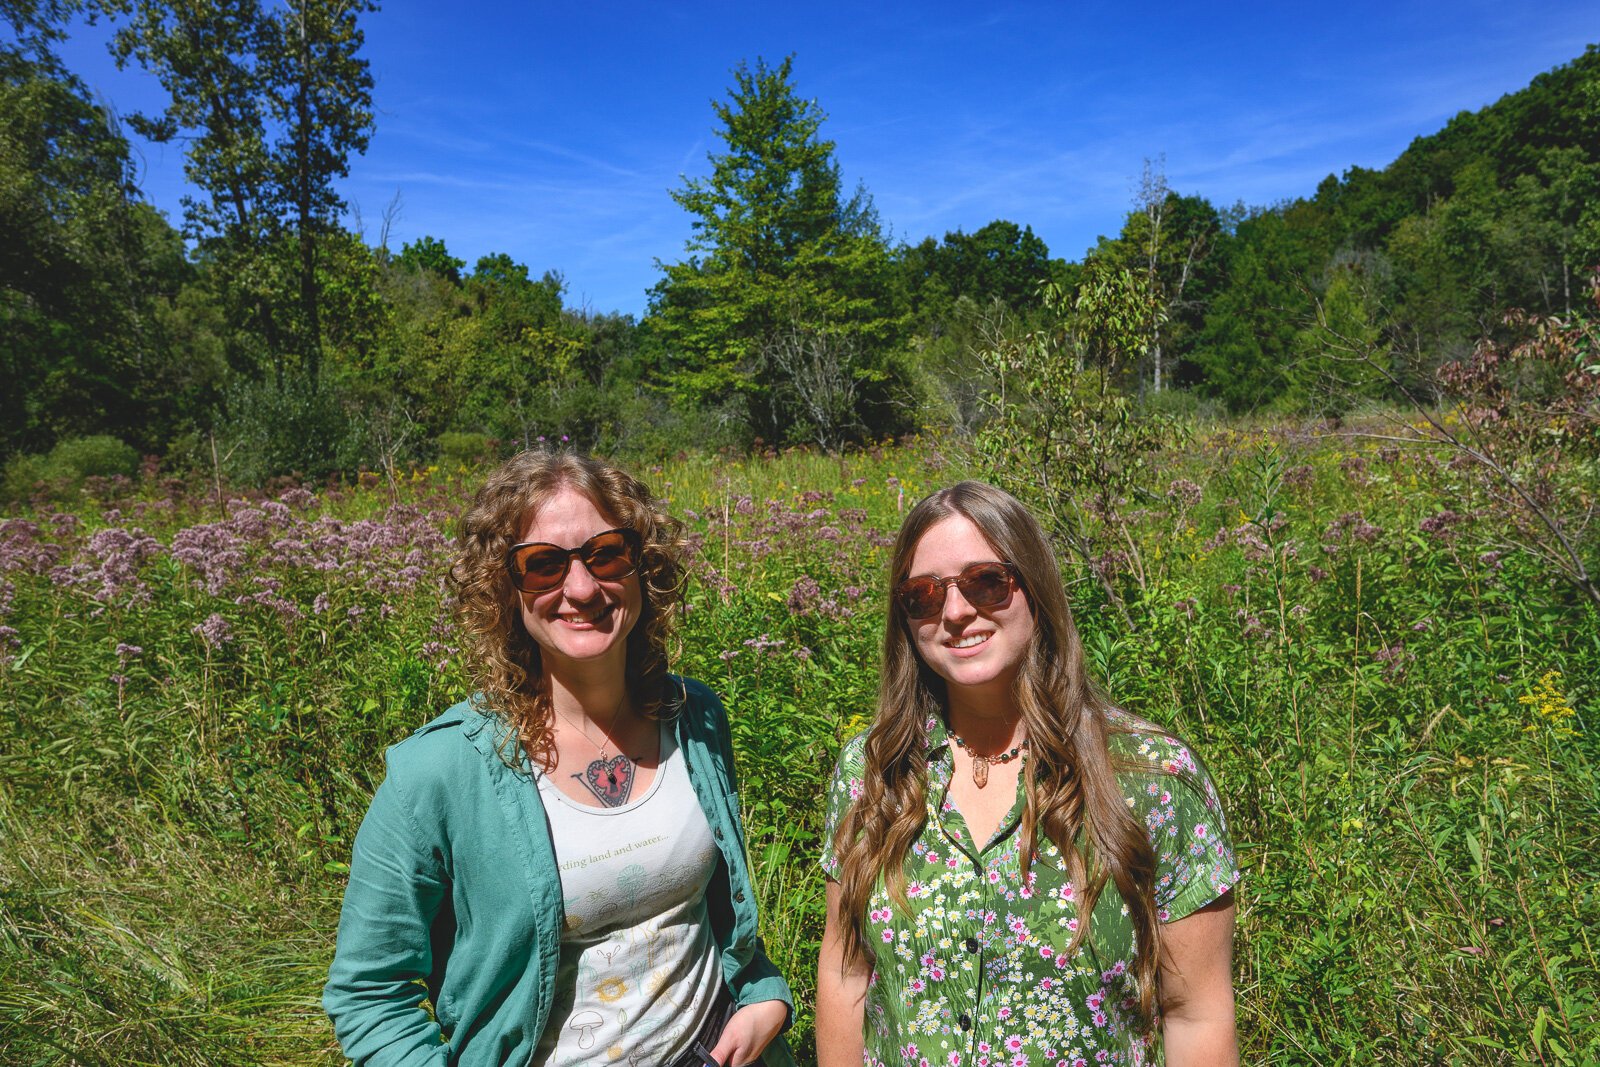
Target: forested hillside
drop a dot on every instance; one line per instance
(269, 331)
(1322, 477)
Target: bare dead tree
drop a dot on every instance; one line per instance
(1163, 248)
(391, 215)
(817, 375)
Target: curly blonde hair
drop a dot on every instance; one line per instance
(505, 662)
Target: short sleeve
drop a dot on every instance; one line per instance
(1183, 814)
(846, 787)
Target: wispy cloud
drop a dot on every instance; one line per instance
(555, 134)
(593, 162)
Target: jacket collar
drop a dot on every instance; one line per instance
(490, 734)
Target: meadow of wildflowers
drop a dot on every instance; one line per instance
(198, 687)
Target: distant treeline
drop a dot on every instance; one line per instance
(273, 332)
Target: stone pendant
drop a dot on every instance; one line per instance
(980, 771)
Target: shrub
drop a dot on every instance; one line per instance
(265, 430)
(1182, 404)
(23, 476)
(102, 455)
(464, 449)
(64, 468)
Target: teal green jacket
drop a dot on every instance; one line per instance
(454, 896)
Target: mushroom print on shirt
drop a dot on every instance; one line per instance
(639, 970)
(976, 975)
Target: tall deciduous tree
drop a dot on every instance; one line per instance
(322, 105)
(1000, 261)
(271, 104)
(774, 246)
(82, 262)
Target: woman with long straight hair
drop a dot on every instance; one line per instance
(1019, 873)
(558, 863)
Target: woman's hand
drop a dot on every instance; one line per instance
(1197, 1025)
(749, 1031)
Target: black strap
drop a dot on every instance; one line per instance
(722, 1010)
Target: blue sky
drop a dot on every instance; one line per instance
(554, 132)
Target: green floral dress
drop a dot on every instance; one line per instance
(978, 974)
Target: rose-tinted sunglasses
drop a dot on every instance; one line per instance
(611, 555)
(983, 585)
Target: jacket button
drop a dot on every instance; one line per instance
(965, 1021)
(972, 944)
(739, 896)
(718, 833)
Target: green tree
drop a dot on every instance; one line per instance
(320, 94)
(1063, 437)
(84, 267)
(1341, 355)
(430, 254)
(999, 261)
(270, 104)
(775, 248)
(1250, 327)
(1168, 240)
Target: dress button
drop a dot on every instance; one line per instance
(965, 1021)
(972, 944)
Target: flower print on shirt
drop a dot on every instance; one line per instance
(977, 971)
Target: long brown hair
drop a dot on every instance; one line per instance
(505, 662)
(1070, 778)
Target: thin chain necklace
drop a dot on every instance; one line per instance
(609, 779)
(981, 763)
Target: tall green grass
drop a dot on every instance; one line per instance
(1399, 718)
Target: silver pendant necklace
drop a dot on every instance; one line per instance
(610, 779)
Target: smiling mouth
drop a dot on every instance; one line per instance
(970, 641)
(584, 622)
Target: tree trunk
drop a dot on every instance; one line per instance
(303, 204)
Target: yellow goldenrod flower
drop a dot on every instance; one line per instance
(1550, 704)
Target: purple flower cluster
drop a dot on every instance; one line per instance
(1250, 625)
(215, 631)
(1394, 659)
(23, 547)
(765, 645)
(285, 559)
(1351, 526)
(109, 564)
(1443, 526)
(1184, 493)
(832, 545)
(806, 592)
(1250, 540)
(1299, 477)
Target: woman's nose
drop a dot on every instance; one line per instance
(580, 584)
(956, 608)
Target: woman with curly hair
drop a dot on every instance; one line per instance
(557, 863)
(1019, 873)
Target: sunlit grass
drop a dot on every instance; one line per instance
(1398, 711)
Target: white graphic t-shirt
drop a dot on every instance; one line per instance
(639, 967)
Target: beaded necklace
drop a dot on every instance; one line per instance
(980, 763)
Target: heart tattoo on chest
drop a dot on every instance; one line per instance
(610, 780)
